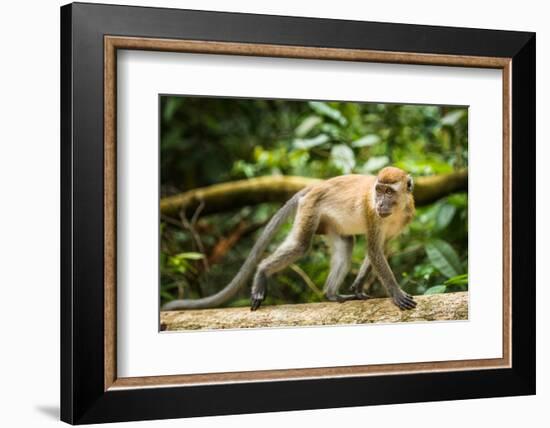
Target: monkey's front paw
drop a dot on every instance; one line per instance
(403, 301)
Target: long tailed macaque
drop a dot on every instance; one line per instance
(377, 206)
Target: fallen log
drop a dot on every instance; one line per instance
(435, 307)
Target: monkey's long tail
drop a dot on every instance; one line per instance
(246, 271)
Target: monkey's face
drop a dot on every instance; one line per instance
(386, 199)
(392, 188)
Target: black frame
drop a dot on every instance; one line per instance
(83, 399)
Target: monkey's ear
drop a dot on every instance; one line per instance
(410, 183)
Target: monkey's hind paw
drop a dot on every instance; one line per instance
(256, 300)
(341, 298)
(362, 296)
(404, 302)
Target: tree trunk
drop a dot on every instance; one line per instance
(436, 307)
(236, 194)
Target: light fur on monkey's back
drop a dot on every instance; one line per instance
(344, 205)
(340, 198)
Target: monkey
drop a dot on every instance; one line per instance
(340, 208)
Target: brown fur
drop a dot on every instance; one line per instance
(392, 175)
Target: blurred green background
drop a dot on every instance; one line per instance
(206, 141)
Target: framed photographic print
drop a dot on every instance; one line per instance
(265, 213)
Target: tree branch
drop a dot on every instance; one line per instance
(236, 194)
(436, 307)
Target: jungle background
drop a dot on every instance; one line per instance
(213, 206)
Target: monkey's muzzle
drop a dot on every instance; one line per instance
(383, 210)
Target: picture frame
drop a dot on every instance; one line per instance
(91, 35)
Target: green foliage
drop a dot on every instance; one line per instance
(458, 280)
(342, 158)
(324, 109)
(179, 263)
(212, 140)
(445, 216)
(443, 257)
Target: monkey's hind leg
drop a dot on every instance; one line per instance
(340, 264)
(358, 285)
(293, 247)
(290, 250)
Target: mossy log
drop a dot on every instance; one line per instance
(436, 307)
(236, 194)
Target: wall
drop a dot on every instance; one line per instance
(29, 231)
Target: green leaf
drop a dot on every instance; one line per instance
(451, 118)
(375, 163)
(436, 289)
(307, 125)
(445, 215)
(443, 257)
(457, 280)
(459, 200)
(334, 131)
(324, 109)
(170, 286)
(425, 166)
(190, 256)
(166, 295)
(366, 141)
(308, 143)
(343, 158)
(172, 104)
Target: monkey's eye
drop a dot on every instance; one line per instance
(389, 191)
